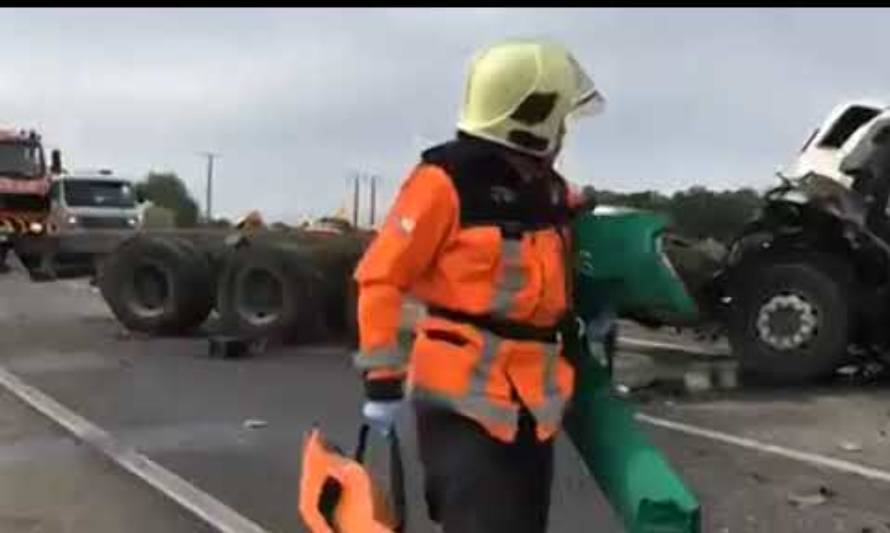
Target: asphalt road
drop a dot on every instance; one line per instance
(187, 412)
(51, 482)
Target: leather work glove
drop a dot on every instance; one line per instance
(381, 415)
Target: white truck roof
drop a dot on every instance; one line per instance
(90, 174)
(838, 135)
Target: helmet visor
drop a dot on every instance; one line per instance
(588, 105)
(588, 101)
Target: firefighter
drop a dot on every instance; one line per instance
(478, 233)
(252, 221)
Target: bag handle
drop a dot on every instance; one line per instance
(396, 470)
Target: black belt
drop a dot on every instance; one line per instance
(502, 328)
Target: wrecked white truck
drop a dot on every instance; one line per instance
(805, 288)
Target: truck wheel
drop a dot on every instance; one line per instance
(342, 299)
(269, 291)
(203, 298)
(157, 286)
(790, 320)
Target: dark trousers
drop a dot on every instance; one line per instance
(476, 484)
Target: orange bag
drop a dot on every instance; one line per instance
(339, 495)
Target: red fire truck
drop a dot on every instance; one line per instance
(24, 186)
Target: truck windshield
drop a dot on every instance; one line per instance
(96, 193)
(21, 160)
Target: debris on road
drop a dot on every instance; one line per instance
(848, 371)
(727, 375)
(849, 446)
(812, 499)
(254, 423)
(124, 334)
(697, 380)
(229, 347)
(864, 372)
(635, 371)
(759, 478)
(807, 500)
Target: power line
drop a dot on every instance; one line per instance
(355, 200)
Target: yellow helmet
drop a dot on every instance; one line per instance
(252, 220)
(519, 93)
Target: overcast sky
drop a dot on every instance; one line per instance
(297, 99)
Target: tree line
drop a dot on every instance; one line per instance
(696, 213)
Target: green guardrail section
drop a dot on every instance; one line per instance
(619, 263)
(621, 267)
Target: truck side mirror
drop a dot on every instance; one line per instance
(55, 162)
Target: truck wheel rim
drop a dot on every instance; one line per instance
(787, 321)
(260, 297)
(150, 290)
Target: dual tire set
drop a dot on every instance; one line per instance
(288, 291)
(791, 319)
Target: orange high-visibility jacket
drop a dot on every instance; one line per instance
(474, 234)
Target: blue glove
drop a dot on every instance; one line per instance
(381, 415)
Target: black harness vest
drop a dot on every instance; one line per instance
(496, 188)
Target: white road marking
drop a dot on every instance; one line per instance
(202, 504)
(814, 459)
(629, 343)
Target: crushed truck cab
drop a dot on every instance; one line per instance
(805, 287)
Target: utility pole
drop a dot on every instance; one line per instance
(355, 201)
(209, 201)
(373, 206)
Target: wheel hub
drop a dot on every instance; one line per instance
(787, 322)
(150, 290)
(262, 301)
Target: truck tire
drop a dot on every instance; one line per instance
(157, 286)
(342, 299)
(271, 291)
(203, 300)
(790, 319)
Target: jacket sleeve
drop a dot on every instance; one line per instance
(423, 215)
